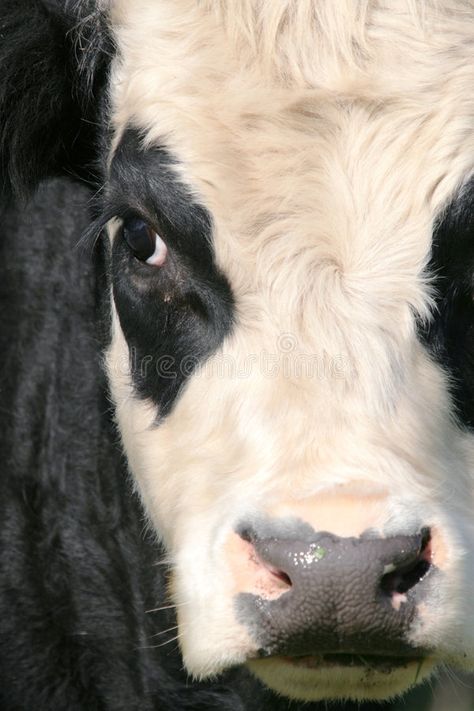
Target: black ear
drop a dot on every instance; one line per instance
(54, 56)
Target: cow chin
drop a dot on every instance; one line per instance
(306, 678)
(316, 679)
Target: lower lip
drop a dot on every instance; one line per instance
(379, 663)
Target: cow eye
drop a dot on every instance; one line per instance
(144, 242)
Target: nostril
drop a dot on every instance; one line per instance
(280, 575)
(401, 581)
(266, 575)
(277, 573)
(408, 573)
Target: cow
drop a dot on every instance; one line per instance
(282, 229)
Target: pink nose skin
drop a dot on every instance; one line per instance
(336, 596)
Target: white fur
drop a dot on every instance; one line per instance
(324, 138)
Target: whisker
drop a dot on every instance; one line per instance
(418, 670)
(170, 629)
(167, 607)
(163, 644)
(173, 650)
(450, 672)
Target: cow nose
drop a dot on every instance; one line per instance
(343, 595)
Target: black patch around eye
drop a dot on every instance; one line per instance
(450, 334)
(173, 317)
(139, 236)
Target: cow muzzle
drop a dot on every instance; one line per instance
(336, 598)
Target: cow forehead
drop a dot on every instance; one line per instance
(322, 122)
(235, 81)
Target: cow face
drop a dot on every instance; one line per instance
(284, 358)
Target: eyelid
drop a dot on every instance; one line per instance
(136, 215)
(152, 222)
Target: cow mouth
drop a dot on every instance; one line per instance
(380, 663)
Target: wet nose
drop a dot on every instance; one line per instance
(343, 595)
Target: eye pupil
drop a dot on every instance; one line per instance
(140, 237)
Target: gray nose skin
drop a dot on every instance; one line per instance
(344, 596)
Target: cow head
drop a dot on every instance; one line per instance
(289, 231)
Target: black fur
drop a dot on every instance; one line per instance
(54, 56)
(450, 334)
